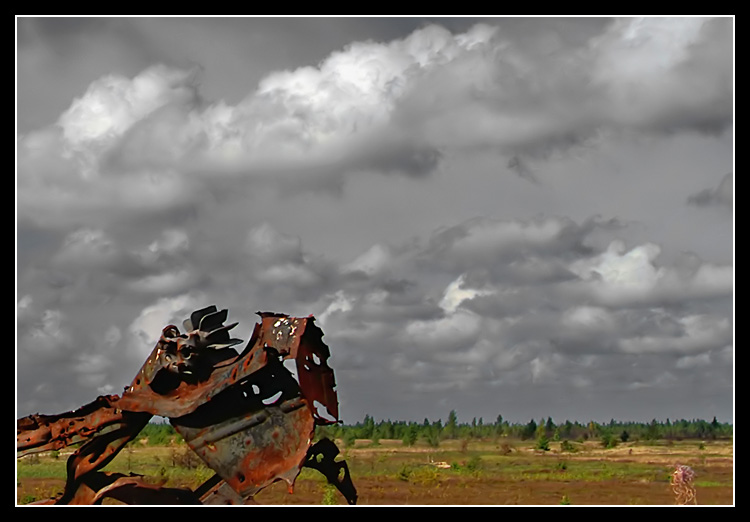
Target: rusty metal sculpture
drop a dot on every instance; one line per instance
(244, 414)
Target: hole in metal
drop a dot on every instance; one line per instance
(273, 398)
(322, 411)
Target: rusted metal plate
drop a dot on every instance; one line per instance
(245, 414)
(36, 433)
(315, 376)
(253, 433)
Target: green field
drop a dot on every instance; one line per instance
(498, 471)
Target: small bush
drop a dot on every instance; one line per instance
(432, 439)
(542, 443)
(329, 495)
(474, 463)
(349, 439)
(404, 473)
(410, 436)
(566, 445)
(27, 499)
(427, 476)
(608, 441)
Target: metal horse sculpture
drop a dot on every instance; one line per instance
(246, 415)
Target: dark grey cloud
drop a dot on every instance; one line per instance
(517, 165)
(722, 195)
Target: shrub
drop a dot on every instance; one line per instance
(28, 499)
(349, 438)
(566, 445)
(410, 436)
(608, 441)
(474, 463)
(329, 495)
(432, 438)
(426, 476)
(404, 473)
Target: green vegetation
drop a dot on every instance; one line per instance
(449, 472)
(436, 457)
(330, 495)
(566, 445)
(608, 441)
(542, 431)
(157, 434)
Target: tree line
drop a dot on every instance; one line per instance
(433, 432)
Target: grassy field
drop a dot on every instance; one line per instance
(492, 472)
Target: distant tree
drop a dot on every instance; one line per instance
(714, 428)
(498, 428)
(368, 427)
(542, 442)
(375, 437)
(349, 438)
(608, 441)
(593, 429)
(530, 429)
(386, 429)
(450, 431)
(566, 429)
(431, 436)
(550, 426)
(653, 431)
(624, 436)
(410, 435)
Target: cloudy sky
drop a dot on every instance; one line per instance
(526, 217)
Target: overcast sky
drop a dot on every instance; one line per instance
(525, 217)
